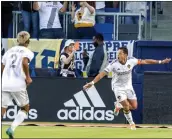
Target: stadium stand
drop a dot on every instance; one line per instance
(157, 26)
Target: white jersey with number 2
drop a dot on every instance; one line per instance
(122, 74)
(13, 77)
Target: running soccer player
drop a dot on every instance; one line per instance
(15, 78)
(122, 82)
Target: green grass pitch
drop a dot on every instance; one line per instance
(87, 132)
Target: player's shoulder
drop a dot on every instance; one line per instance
(114, 62)
(27, 50)
(131, 58)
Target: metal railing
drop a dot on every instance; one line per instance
(122, 14)
(66, 18)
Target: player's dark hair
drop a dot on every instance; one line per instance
(124, 49)
(99, 37)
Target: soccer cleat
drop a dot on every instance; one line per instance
(133, 126)
(10, 133)
(117, 109)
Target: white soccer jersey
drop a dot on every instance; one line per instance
(48, 14)
(122, 74)
(13, 77)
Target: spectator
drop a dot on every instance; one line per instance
(6, 19)
(100, 7)
(66, 62)
(50, 26)
(136, 7)
(109, 4)
(98, 60)
(30, 18)
(85, 58)
(84, 21)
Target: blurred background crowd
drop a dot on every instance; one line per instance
(83, 19)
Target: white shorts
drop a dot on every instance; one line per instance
(21, 98)
(122, 95)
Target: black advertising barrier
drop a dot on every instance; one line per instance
(157, 98)
(62, 100)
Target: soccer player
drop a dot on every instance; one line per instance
(15, 78)
(122, 81)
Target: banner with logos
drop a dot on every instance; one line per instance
(111, 48)
(63, 100)
(45, 51)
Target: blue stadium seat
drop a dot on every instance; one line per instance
(110, 19)
(112, 10)
(106, 29)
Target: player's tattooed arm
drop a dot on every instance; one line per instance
(152, 61)
(96, 79)
(2, 68)
(25, 63)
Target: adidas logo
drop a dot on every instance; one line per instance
(85, 106)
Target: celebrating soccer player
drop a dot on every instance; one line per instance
(122, 81)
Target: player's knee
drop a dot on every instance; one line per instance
(134, 107)
(26, 108)
(126, 107)
(126, 111)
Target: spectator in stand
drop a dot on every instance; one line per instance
(112, 4)
(30, 18)
(85, 58)
(6, 19)
(50, 26)
(98, 61)
(84, 21)
(100, 7)
(66, 63)
(136, 7)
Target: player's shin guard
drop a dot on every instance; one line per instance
(18, 119)
(128, 116)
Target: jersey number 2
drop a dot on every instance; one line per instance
(14, 58)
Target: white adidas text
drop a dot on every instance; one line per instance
(12, 113)
(85, 114)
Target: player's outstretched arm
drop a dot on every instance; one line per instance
(96, 79)
(152, 61)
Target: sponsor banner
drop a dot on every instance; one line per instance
(111, 48)
(13, 110)
(59, 103)
(63, 100)
(45, 51)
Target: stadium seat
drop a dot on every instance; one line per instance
(106, 29)
(110, 19)
(128, 32)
